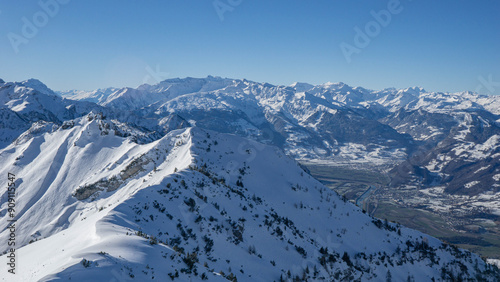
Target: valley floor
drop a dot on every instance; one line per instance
(471, 223)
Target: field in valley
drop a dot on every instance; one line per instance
(369, 190)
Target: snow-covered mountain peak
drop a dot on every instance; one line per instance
(96, 96)
(301, 86)
(191, 83)
(415, 90)
(36, 84)
(335, 85)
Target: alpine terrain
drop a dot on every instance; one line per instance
(212, 179)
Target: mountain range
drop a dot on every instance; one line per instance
(209, 179)
(335, 124)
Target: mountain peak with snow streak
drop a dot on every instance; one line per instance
(301, 86)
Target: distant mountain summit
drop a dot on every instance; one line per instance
(301, 87)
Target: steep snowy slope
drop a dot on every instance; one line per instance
(23, 103)
(145, 95)
(197, 205)
(95, 96)
(32, 100)
(11, 125)
(490, 103)
(465, 161)
(421, 124)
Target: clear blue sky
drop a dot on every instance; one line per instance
(440, 45)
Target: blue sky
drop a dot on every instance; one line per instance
(439, 45)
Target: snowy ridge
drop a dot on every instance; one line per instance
(198, 204)
(95, 96)
(30, 101)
